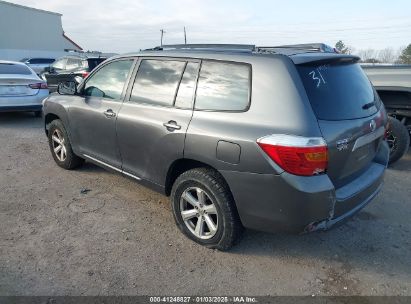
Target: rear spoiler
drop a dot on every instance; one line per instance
(322, 58)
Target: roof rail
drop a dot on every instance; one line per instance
(241, 47)
(318, 47)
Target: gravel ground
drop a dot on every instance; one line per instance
(119, 238)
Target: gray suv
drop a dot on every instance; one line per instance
(267, 138)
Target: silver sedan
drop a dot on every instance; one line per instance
(20, 88)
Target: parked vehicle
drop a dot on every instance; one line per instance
(393, 84)
(20, 88)
(238, 136)
(69, 67)
(38, 65)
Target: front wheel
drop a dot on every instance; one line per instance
(204, 209)
(398, 139)
(60, 146)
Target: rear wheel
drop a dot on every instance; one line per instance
(398, 139)
(60, 146)
(204, 209)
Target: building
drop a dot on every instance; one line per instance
(30, 32)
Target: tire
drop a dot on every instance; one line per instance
(57, 136)
(398, 139)
(37, 113)
(215, 203)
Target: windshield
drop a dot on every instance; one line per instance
(338, 91)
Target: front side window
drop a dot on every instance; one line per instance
(186, 89)
(157, 81)
(223, 86)
(109, 81)
(91, 63)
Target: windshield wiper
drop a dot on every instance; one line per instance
(368, 105)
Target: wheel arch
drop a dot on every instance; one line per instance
(48, 118)
(182, 165)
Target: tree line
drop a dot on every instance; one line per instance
(387, 55)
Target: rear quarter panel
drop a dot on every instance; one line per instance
(278, 105)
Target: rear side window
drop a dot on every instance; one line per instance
(9, 68)
(157, 81)
(338, 91)
(223, 86)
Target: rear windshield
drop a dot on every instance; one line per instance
(338, 91)
(10, 68)
(93, 62)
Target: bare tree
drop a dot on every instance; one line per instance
(368, 55)
(386, 55)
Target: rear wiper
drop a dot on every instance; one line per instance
(368, 105)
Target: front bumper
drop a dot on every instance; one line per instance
(293, 203)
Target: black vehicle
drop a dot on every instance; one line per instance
(68, 67)
(393, 84)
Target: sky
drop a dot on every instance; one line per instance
(130, 25)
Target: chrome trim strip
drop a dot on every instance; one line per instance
(103, 163)
(366, 139)
(111, 167)
(131, 175)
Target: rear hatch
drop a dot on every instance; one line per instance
(349, 112)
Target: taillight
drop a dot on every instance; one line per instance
(39, 85)
(84, 74)
(297, 155)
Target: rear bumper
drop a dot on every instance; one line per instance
(302, 204)
(23, 103)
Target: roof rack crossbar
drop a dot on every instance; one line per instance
(322, 47)
(248, 47)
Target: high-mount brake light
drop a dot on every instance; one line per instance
(305, 156)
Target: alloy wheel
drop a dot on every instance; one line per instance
(59, 146)
(199, 213)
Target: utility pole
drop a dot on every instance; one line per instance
(162, 34)
(185, 36)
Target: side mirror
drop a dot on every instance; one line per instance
(67, 88)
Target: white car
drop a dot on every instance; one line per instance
(21, 89)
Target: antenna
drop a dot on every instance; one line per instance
(162, 34)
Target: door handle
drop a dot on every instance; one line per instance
(109, 113)
(172, 125)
